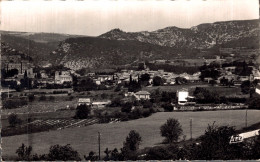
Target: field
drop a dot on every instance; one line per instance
(84, 139)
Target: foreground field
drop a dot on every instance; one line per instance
(84, 139)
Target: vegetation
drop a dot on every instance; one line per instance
(13, 103)
(157, 81)
(24, 153)
(14, 120)
(171, 130)
(82, 112)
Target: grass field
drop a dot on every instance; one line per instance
(84, 139)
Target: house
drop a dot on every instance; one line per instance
(184, 98)
(84, 101)
(100, 104)
(62, 76)
(142, 95)
(257, 89)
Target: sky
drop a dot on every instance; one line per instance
(95, 17)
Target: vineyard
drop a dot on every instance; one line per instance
(46, 125)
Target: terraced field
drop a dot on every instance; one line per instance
(46, 125)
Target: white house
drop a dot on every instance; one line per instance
(142, 95)
(257, 89)
(184, 98)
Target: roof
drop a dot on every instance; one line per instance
(84, 99)
(142, 93)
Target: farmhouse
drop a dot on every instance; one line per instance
(142, 95)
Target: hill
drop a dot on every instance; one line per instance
(201, 36)
(91, 52)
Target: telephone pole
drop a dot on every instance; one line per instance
(8, 90)
(246, 117)
(99, 145)
(191, 129)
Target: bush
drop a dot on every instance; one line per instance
(42, 98)
(14, 103)
(24, 153)
(127, 107)
(52, 98)
(63, 153)
(82, 112)
(14, 120)
(147, 104)
(167, 107)
(31, 98)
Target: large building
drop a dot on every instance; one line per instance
(62, 76)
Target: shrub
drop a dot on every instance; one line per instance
(51, 98)
(31, 98)
(167, 107)
(147, 104)
(14, 103)
(63, 153)
(82, 112)
(127, 107)
(42, 98)
(14, 120)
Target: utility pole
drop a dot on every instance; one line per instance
(191, 129)
(8, 91)
(99, 145)
(246, 117)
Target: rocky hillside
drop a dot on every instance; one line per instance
(91, 52)
(201, 36)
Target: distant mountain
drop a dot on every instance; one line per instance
(40, 37)
(116, 47)
(201, 36)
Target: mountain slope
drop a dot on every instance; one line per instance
(39, 52)
(92, 52)
(201, 36)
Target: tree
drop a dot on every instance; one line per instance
(13, 120)
(127, 107)
(82, 112)
(215, 144)
(91, 156)
(24, 152)
(132, 141)
(167, 107)
(157, 81)
(145, 77)
(245, 86)
(134, 86)
(171, 130)
(63, 153)
(254, 102)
